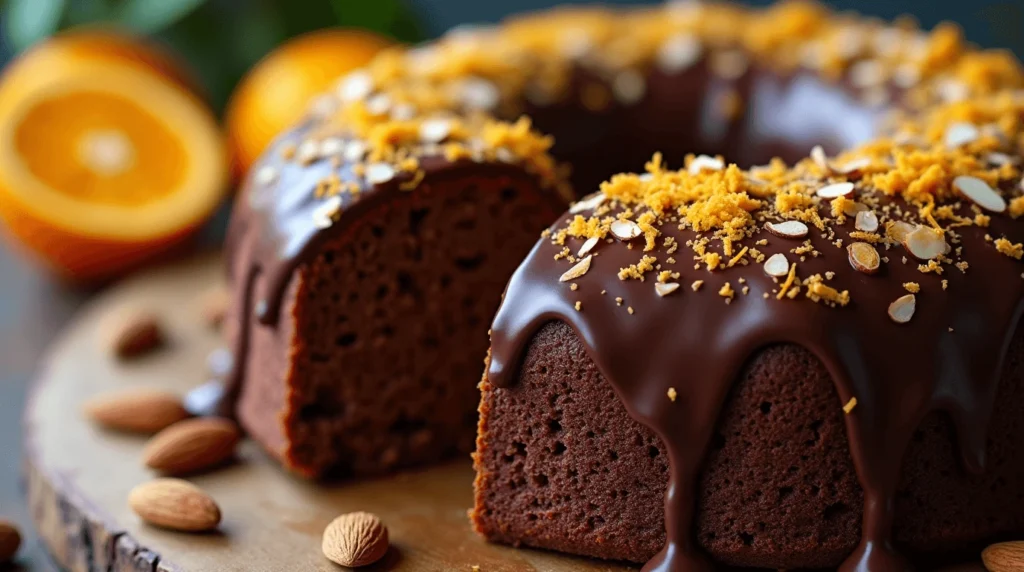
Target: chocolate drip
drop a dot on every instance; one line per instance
(273, 232)
(947, 358)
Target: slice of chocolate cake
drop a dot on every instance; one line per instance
(362, 300)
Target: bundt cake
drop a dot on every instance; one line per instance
(811, 363)
(799, 364)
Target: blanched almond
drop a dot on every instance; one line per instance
(980, 193)
(588, 245)
(898, 230)
(902, 310)
(625, 230)
(705, 163)
(579, 269)
(787, 229)
(777, 265)
(925, 243)
(866, 221)
(666, 288)
(835, 190)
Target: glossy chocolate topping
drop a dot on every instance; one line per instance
(693, 343)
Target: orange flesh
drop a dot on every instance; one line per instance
(101, 148)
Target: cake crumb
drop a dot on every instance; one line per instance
(696, 285)
(912, 287)
(579, 305)
(672, 393)
(629, 309)
(848, 408)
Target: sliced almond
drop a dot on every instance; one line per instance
(191, 446)
(326, 212)
(851, 208)
(1004, 556)
(898, 230)
(1001, 159)
(664, 289)
(678, 53)
(777, 265)
(902, 310)
(136, 410)
(265, 175)
(379, 104)
(787, 229)
(175, 504)
(479, 93)
(355, 150)
(959, 134)
(355, 539)
(835, 190)
(378, 173)
(625, 229)
(331, 146)
(10, 541)
(356, 85)
(866, 221)
(852, 166)
(820, 158)
(980, 193)
(705, 163)
(588, 245)
(578, 270)
(589, 203)
(863, 257)
(925, 243)
(435, 130)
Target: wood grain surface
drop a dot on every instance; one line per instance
(79, 476)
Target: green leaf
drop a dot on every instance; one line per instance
(29, 21)
(150, 16)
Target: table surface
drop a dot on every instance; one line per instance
(33, 308)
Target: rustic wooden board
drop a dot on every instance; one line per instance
(78, 476)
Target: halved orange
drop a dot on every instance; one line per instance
(275, 93)
(104, 164)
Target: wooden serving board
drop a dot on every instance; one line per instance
(79, 476)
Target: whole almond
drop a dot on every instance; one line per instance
(10, 540)
(1004, 556)
(355, 539)
(213, 305)
(134, 332)
(136, 411)
(175, 504)
(192, 445)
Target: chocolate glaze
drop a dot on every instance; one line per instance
(948, 358)
(696, 343)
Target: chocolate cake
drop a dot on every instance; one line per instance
(658, 339)
(805, 364)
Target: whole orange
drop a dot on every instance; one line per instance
(274, 94)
